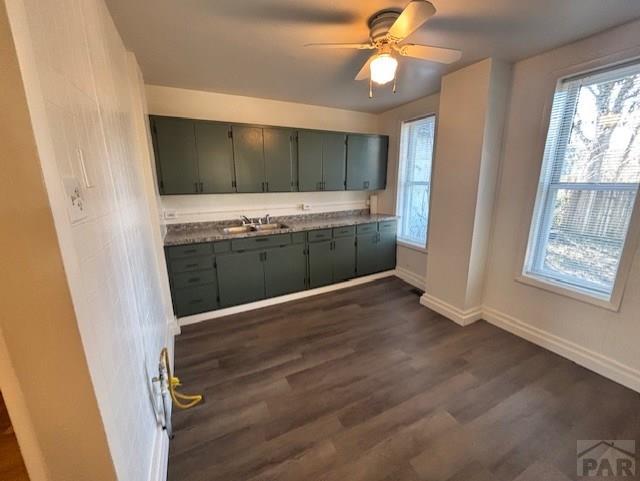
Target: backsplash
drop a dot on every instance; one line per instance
(178, 209)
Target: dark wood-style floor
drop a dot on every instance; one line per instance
(12, 466)
(365, 384)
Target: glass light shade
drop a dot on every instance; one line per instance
(383, 68)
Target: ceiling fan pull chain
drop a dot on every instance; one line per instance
(395, 81)
(370, 88)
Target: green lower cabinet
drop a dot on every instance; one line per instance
(240, 278)
(367, 254)
(320, 265)
(387, 251)
(344, 258)
(195, 299)
(285, 270)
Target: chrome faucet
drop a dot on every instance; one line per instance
(245, 220)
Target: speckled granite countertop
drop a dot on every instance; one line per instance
(193, 233)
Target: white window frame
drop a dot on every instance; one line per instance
(631, 243)
(401, 189)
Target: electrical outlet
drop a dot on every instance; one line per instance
(170, 214)
(305, 206)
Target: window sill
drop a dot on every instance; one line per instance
(412, 246)
(563, 290)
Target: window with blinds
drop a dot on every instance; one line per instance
(588, 183)
(414, 185)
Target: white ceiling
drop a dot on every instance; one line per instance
(255, 47)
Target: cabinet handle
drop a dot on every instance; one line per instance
(190, 251)
(201, 187)
(262, 186)
(195, 185)
(267, 184)
(193, 279)
(189, 266)
(195, 301)
(262, 239)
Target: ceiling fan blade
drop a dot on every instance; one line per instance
(433, 54)
(364, 71)
(411, 18)
(358, 46)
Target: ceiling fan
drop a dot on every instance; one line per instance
(387, 29)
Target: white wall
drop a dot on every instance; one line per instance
(233, 108)
(603, 340)
(411, 262)
(84, 91)
(472, 106)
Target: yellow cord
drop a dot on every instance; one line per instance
(174, 382)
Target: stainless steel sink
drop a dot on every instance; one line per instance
(242, 229)
(271, 226)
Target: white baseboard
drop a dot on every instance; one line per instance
(594, 361)
(411, 278)
(206, 316)
(463, 318)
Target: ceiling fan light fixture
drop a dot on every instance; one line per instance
(383, 68)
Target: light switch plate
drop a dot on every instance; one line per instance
(76, 207)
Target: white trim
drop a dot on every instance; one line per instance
(413, 247)
(411, 278)
(560, 288)
(205, 316)
(160, 456)
(463, 318)
(173, 326)
(603, 365)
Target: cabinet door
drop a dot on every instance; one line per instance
(176, 155)
(367, 254)
(387, 250)
(248, 156)
(278, 159)
(380, 154)
(285, 270)
(320, 264)
(215, 157)
(367, 162)
(309, 161)
(334, 158)
(194, 300)
(344, 258)
(240, 278)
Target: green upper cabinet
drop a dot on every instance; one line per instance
(203, 157)
(334, 159)
(176, 155)
(367, 162)
(309, 161)
(248, 149)
(280, 159)
(215, 157)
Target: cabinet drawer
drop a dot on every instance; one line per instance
(319, 235)
(299, 237)
(197, 278)
(193, 300)
(261, 242)
(222, 247)
(387, 225)
(345, 231)
(367, 228)
(189, 250)
(191, 264)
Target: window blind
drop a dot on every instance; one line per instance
(416, 156)
(589, 181)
